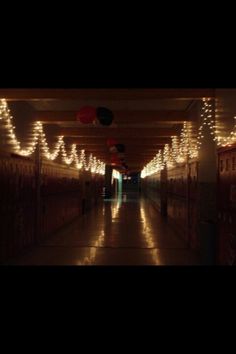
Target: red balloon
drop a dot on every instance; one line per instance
(115, 160)
(111, 142)
(86, 115)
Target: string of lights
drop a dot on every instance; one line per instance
(37, 137)
(187, 145)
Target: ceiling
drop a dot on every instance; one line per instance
(144, 119)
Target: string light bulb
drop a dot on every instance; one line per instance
(187, 146)
(38, 138)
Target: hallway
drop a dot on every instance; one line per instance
(122, 231)
(62, 151)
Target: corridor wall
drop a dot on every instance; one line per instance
(193, 197)
(35, 202)
(181, 197)
(227, 206)
(225, 117)
(151, 188)
(18, 205)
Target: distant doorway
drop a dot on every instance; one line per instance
(131, 182)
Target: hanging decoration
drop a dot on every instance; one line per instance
(104, 116)
(119, 149)
(115, 160)
(187, 145)
(111, 142)
(38, 138)
(86, 115)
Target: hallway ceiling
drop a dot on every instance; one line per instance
(144, 119)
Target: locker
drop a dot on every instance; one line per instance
(61, 196)
(227, 206)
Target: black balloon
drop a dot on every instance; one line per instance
(120, 147)
(104, 116)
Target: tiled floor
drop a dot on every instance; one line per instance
(124, 231)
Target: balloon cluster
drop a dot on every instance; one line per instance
(117, 150)
(88, 115)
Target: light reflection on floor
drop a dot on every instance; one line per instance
(148, 235)
(122, 231)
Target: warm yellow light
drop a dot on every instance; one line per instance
(186, 146)
(38, 137)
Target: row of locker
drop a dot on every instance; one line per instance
(151, 188)
(181, 211)
(58, 179)
(182, 201)
(32, 208)
(17, 207)
(182, 181)
(227, 206)
(177, 182)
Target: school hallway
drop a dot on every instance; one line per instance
(118, 176)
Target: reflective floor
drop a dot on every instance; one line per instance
(123, 231)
